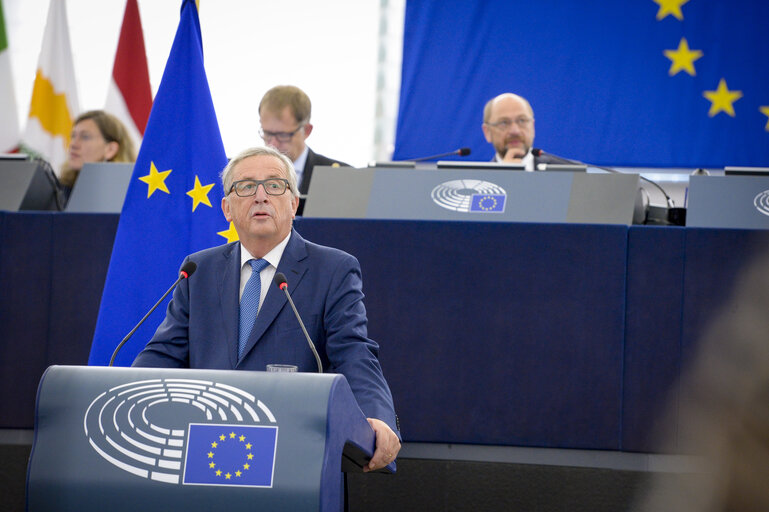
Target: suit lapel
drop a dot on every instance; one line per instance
(293, 266)
(229, 284)
(309, 164)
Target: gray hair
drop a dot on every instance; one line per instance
(288, 167)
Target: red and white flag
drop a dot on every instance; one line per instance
(129, 96)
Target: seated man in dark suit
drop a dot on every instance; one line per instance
(228, 315)
(284, 114)
(508, 125)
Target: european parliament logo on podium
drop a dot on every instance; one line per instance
(185, 431)
(470, 195)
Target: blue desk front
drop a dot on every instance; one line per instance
(491, 333)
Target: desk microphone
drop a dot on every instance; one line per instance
(187, 270)
(457, 152)
(558, 160)
(543, 167)
(280, 280)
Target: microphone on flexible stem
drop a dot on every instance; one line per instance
(186, 271)
(539, 152)
(280, 281)
(457, 152)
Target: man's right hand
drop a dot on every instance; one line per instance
(514, 155)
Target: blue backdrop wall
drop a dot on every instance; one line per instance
(610, 82)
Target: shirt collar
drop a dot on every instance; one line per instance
(273, 257)
(301, 160)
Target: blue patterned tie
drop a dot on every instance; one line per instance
(249, 303)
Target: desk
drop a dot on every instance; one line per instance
(548, 335)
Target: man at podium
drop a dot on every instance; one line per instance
(229, 315)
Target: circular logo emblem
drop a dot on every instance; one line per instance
(761, 202)
(469, 195)
(144, 427)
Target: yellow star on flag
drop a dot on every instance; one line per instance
(682, 58)
(246, 466)
(670, 7)
(721, 99)
(238, 473)
(155, 180)
(212, 465)
(231, 235)
(218, 472)
(242, 438)
(765, 110)
(199, 194)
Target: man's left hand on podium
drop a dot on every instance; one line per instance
(387, 445)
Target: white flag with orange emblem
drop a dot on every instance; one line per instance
(54, 104)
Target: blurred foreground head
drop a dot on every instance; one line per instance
(723, 410)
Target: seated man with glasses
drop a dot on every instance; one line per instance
(508, 125)
(229, 315)
(284, 114)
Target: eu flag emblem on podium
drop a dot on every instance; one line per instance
(234, 455)
(491, 203)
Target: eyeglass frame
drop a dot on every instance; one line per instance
(281, 136)
(262, 183)
(504, 125)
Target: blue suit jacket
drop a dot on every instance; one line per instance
(201, 325)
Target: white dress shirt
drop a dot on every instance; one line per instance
(272, 257)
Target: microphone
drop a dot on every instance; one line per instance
(280, 281)
(543, 167)
(558, 160)
(458, 152)
(186, 271)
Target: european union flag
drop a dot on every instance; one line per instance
(488, 203)
(658, 83)
(230, 455)
(172, 207)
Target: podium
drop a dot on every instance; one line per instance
(471, 194)
(25, 185)
(100, 188)
(126, 439)
(732, 202)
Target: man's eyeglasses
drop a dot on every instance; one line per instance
(281, 136)
(506, 124)
(247, 188)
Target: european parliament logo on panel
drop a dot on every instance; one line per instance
(474, 196)
(761, 202)
(185, 432)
